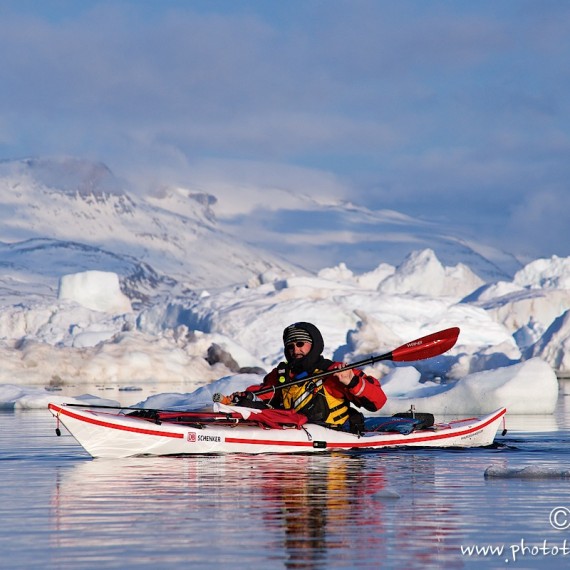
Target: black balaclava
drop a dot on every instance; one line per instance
(309, 362)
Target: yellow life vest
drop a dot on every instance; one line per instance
(311, 399)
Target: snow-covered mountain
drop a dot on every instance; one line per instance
(77, 205)
(175, 230)
(201, 302)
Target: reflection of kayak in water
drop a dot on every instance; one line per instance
(104, 434)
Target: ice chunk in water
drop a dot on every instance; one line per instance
(530, 472)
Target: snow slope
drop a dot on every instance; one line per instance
(175, 233)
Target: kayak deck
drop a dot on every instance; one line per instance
(114, 435)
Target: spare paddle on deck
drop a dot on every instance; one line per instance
(425, 347)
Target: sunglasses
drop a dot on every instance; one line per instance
(298, 344)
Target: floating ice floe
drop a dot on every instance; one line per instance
(530, 472)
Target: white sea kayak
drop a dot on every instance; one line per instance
(118, 434)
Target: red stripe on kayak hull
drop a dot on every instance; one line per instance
(102, 423)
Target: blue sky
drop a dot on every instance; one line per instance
(456, 111)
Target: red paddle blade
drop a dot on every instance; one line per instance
(427, 346)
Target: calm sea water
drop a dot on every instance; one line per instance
(390, 509)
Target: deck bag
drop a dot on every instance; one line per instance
(394, 424)
(426, 420)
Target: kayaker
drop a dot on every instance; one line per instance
(327, 400)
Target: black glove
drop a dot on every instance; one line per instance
(241, 398)
(248, 400)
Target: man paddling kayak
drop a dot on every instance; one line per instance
(325, 401)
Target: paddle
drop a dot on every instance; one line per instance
(425, 347)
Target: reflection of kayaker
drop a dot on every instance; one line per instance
(314, 502)
(326, 401)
